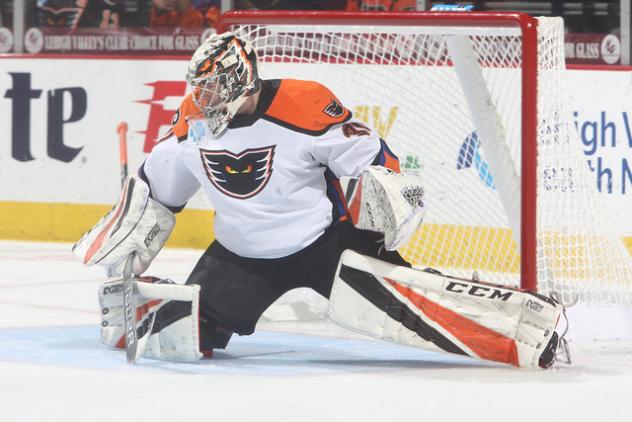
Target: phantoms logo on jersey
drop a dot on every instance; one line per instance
(334, 108)
(240, 175)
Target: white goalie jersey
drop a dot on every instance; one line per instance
(272, 177)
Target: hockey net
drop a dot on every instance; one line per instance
(468, 101)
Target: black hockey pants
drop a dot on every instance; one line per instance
(235, 291)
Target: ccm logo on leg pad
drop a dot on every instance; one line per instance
(478, 291)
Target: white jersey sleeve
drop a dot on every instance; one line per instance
(171, 182)
(347, 149)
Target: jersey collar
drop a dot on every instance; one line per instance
(268, 91)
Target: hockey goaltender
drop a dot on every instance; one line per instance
(269, 154)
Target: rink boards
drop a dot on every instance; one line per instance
(59, 160)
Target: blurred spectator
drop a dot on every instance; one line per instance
(136, 13)
(184, 13)
(290, 4)
(249, 5)
(381, 5)
(60, 13)
(102, 14)
(80, 13)
(210, 9)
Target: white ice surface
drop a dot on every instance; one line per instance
(53, 368)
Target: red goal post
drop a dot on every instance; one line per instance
(487, 87)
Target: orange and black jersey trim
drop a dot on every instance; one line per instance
(180, 123)
(386, 158)
(303, 106)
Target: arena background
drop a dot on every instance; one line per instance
(59, 161)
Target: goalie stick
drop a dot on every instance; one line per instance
(131, 340)
(136, 337)
(121, 130)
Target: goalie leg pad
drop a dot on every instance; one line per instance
(435, 312)
(136, 223)
(387, 202)
(167, 323)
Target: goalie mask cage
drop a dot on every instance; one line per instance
(474, 103)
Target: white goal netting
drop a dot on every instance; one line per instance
(449, 101)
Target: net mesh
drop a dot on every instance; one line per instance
(402, 81)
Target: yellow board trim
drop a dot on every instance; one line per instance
(443, 246)
(466, 247)
(494, 250)
(64, 222)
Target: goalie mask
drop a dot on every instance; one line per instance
(222, 74)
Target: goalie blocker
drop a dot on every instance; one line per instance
(436, 312)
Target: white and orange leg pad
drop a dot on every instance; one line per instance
(440, 313)
(136, 223)
(167, 318)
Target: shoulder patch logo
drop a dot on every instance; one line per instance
(334, 108)
(242, 175)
